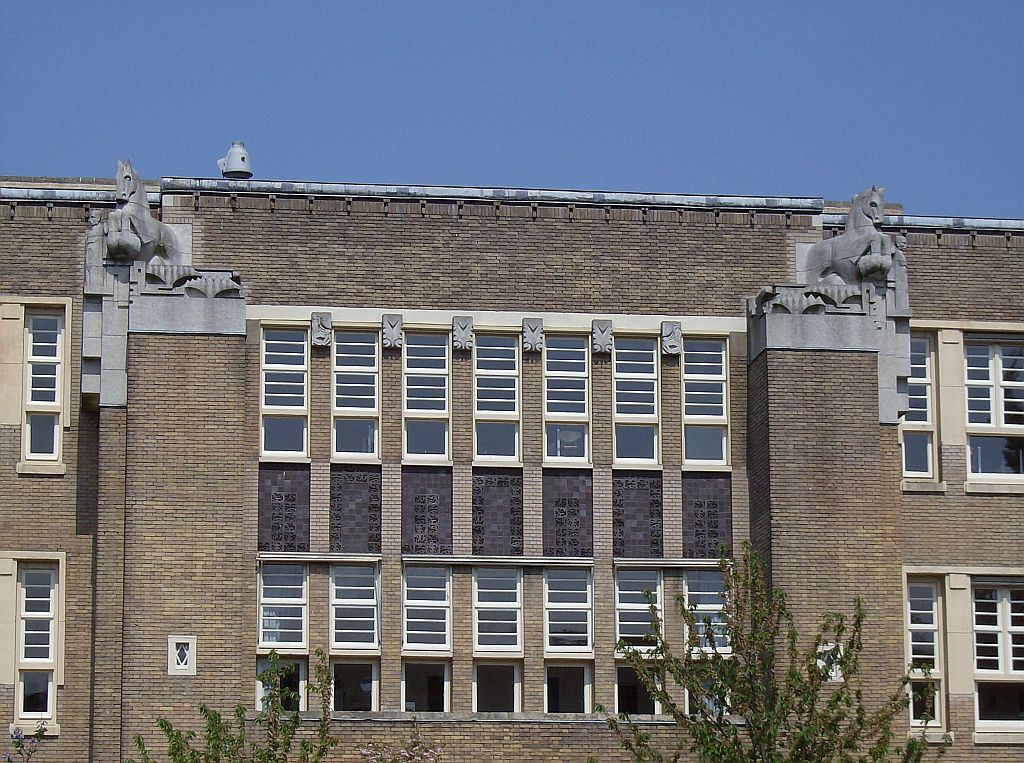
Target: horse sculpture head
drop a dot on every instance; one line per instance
(128, 183)
(868, 204)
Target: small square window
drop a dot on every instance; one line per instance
(357, 436)
(284, 434)
(567, 688)
(181, 655)
(631, 695)
(36, 693)
(917, 453)
(705, 443)
(636, 441)
(42, 440)
(426, 437)
(567, 441)
(497, 439)
(497, 688)
(354, 684)
(425, 687)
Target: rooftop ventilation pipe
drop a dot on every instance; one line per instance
(236, 164)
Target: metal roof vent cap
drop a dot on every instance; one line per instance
(236, 164)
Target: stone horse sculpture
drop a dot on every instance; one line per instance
(861, 252)
(131, 230)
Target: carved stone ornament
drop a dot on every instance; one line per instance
(131, 231)
(462, 332)
(391, 325)
(671, 337)
(320, 326)
(601, 337)
(533, 334)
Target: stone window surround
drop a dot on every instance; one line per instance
(956, 635)
(13, 370)
(938, 723)
(9, 602)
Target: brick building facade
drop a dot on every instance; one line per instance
(447, 435)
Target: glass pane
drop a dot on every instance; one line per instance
(42, 434)
(355, 435)
(353, 686)
(495, 688)
(426, 437)
(1001, 701)
(917, 453)
(284, 434)
(924, 701)
(997, 455)
(705, 443)
(633, 696)
(424, 687)
(566, 689)
(636, 441)
(35, 691)
(496, 438)
(567, 440)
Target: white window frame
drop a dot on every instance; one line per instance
(921, 387)
(355, 647)
(636, 419)
(438, 415)
(340, 413)
(517, 706)
(996, 389)
(561, 417)
(935, 673)
(700, 611)
(587, 606)
(588, 683)
(620, 664)
(49, 665)
(284, 648)
(446, 605)
(708, 420)
(283, 411)
(447, 683)
(173, 667)
(374, 678)
(52, 408)
(481, 607)
(498, 417)
(302, 665)
(644, 607)
(1005, 630)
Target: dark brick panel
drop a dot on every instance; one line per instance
(498, 512)
(568, 512)
(284, 507)
(707, 514)
(355, 509)
(637, 530)
(426, 510)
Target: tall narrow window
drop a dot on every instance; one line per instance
(427, 610)
(923, 644)
(498, 609)
(356, 395)
(999, 655)
(995, 409)
(566, 398)
(705, 404)
(284, 396)
(632, 609)
(43, 386)
(918, 426)
(354, 623)
(568, 611)
(426, 396)
(282, 607)
(636, 399)
(705, 593)
(497, 397)
(37, 642)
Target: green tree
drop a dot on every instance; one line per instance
(755, 695)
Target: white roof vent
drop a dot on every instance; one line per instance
(236, 164)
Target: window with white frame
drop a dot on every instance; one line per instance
(496, 392)
(995, 409)
(292, 673)
(567, 398)
(284, 402)
(917, 430)
(43, 386)
(705, 401)
(568, 610)
(923, 645)
(999, 654)
(355, 686)
(282, 607)
(425, 687)
(427, 608)
(632, 608)
(354, 607)
(497, 687)
(498, 609)
(632, 695)
(705, 595)
(426, 396)
(636, 361)
(567, 687)
(37, 642)
(356, 395)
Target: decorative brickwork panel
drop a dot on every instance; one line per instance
(637, 530)
(707, 514)
(426, 510)
(568, 512)
(498, 512)
(284, 507)
(355, 509)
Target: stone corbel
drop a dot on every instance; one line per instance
(391, 326)
(601, 337)
(671, 337)
(533, 334)
(462, 333)
(320, 329)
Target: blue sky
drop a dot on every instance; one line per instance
(781, 98)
